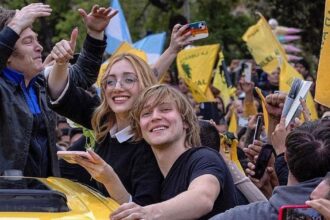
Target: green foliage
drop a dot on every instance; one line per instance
(227, 20)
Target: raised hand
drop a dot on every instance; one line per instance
(278, 137)
(274, 104)
(27, 15)
(179, 37)
(97, 20)
(63, 51)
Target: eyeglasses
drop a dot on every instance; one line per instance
(126, 82)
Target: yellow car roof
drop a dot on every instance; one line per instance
(82, 201)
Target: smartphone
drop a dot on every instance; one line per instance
(247, 71)
(258, 129)
(198, 30)
(299, 212)
(262, 161)
(69, 156)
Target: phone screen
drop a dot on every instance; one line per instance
(262, 161)
(258, 129)
(299, 213)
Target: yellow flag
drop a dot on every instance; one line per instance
(322, 91)
(264, 109)
(219, 81)
(263, 45)
(123, 48)
(233, 123)
(195, 66)
(287, 75)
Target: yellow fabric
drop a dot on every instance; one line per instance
(263, 45)
(219, 81)
(264, 109)
(195, 66)
(249, 108)
(233, 123)
(287, 75)
(322, 92)
(228, 148)
(234, 156)
(123, 48)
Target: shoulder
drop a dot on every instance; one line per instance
(204, 160)
(258, 210)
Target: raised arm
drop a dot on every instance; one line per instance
(178, 41)
(21, 20)
(85, 71)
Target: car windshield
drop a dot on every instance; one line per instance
(29, 195)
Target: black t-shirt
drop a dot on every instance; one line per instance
(196, 162)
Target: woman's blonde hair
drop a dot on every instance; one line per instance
(103, 117)
(161, 93)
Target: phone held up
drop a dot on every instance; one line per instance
(198, 30)
(262, 161)
(70, 156)
(258, 130)
(299, 212)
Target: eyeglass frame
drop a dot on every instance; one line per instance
(105, 84)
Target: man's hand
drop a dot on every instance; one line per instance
(278, 137)
(27, 15)
(97, 20)
(322, 206)
(274, 104)
(63, 51)
(130, 211)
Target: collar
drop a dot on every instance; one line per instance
(123, 135)
(16, 77)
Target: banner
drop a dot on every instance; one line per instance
(263, 45)
(195, 67)
(322, 92)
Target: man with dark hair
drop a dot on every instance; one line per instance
(27, 128)
(308, 158)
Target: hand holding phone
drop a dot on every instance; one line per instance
(262, 161)
(70, 156)
(198, 30)
(298, 212)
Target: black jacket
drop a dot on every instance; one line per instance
(16, 120)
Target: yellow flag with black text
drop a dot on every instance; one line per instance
(195, 66)
(322, 91)
(263, 45)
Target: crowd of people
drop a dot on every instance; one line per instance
(157, 152)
